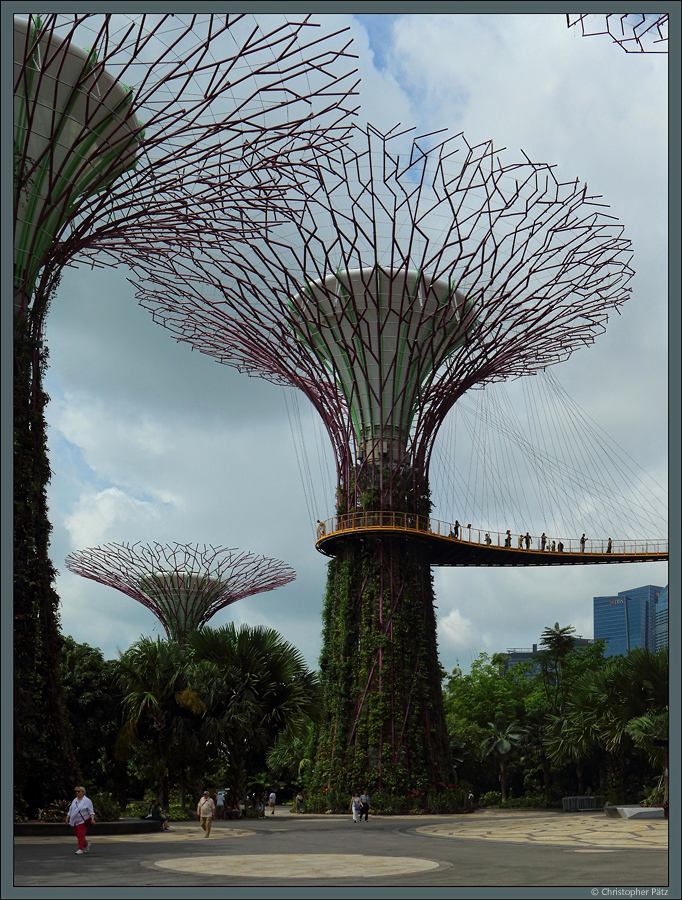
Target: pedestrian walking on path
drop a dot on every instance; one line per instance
(272, 799)
(80, 816)
(206, 812)
(364, 799)
(356, 806)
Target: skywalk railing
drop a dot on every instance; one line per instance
(468, 534)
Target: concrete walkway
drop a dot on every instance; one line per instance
(487, 848)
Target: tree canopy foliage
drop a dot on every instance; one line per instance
(568, 721)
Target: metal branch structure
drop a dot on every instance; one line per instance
(136, 134)
(633, 33)
(184, 585)
(163, 124)
(401, 281)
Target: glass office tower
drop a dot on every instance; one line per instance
(628, 620)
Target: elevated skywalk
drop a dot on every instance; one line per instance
(463, 545)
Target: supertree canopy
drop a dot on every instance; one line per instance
(184, 585)
(642, 33)
(134, 134)
(139, 130)
(400, 282)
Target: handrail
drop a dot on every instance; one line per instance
(467, 534)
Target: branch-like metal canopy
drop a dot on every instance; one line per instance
(641, 33)
(138, 131)
(401, 281)
(184, 585)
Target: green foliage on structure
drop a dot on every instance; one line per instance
(384, 725)
(44, 759)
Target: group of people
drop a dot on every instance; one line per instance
(81, 813)
(525, 540)
(359, 805)
(225, 810)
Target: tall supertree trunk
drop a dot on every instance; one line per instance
(384, 724)
(45, 766)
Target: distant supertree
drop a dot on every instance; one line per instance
(135, 134)
(184, 585)
(400, 283)
(633, 33)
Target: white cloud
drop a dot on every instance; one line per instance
(99, 515)
(461, 636)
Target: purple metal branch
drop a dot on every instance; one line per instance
(184, 585)
(633, 33)
(219, 117)
(489, 270)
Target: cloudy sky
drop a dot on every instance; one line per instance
(150, 441)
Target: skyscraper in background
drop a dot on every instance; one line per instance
(661, 620)
(630, 620)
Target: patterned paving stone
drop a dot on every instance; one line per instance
(576, 831)
(297, 865)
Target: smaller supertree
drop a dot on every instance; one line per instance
(633, 33)
(184, 585)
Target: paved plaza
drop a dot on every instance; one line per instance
(486, 848)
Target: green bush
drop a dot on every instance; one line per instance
(528, 801)
(137, 809)
(55, 811)
(491, 798)
(652, 796)
(177, 813)
(106, 808)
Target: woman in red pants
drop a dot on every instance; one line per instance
(80, 816)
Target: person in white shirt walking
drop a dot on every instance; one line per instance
(80, 816)
(271, 802)
(355, 806)
(206, 812)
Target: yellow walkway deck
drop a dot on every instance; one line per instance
(474, 547)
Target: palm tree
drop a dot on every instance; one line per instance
(292, 756)
(624, 703)
(499, 741)
(153, 678)
(255, 687)
(557, 643)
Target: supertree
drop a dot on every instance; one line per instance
(184, 585)
(133, 134)
(633, 33)
(401, 282)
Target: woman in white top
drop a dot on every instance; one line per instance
(80, 816)
(355, 805)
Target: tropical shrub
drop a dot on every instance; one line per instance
(55, 811)
(490, 798)
(106, 808)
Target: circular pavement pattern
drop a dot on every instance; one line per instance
(580, 832)
(300, 865)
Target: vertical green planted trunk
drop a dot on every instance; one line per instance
(384, 725)
(44, 764)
